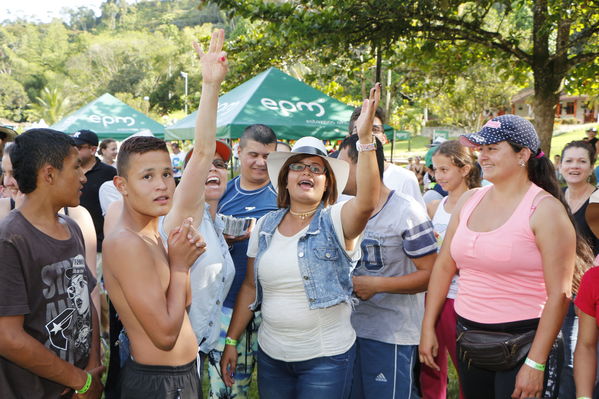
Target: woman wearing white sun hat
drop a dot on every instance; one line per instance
(299, 270)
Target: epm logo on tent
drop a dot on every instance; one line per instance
(111, 120)
(286, 107)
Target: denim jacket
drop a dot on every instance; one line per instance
(324, 265)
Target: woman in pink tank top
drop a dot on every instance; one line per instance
(515, 247)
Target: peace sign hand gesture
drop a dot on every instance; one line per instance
(214, 61)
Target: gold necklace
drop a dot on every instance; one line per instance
(303, 215)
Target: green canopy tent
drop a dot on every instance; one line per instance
(291, 108)
(109, 117)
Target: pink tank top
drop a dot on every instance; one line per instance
(501, 271)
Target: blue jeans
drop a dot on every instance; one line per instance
(326, 377)
(384, 371)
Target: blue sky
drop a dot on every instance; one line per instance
(42, 10)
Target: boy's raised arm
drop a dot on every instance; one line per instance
(188, 199)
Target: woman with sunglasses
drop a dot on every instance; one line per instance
(299, 270)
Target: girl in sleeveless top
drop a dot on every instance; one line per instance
(515, 248)
(456, 172)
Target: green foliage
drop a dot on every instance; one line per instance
(51, 106)
(455, 58)
(138, 49)
(540, 39)
(13, 99)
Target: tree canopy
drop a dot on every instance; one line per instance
(556, 41)
(456, 59)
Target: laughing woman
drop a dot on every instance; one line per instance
(299, 270)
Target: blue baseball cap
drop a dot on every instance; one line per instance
(512, 128)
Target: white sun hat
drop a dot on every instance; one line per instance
(312, 146)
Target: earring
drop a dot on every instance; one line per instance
(522, 163)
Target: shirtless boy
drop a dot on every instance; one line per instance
(149, 286)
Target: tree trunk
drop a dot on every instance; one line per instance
(548, 71)
(544, 110)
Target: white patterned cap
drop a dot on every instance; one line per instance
(512, 128)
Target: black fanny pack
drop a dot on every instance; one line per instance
(494, 351)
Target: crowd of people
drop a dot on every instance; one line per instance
(331, 274)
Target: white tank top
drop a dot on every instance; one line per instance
(440, 223)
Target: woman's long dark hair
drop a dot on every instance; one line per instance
(542, 173)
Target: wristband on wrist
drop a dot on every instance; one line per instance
(583, 397)
(534, 365)
(230, 341)
(366, 147)
(85, 388)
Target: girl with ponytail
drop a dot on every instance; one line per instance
(456, 171)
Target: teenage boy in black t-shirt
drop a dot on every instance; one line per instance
(49, 343)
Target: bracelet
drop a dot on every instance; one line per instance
(230, 341)
(366, 147)
(534, 365)
(583, 397)
(85, 388)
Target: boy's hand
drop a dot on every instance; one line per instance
(365, 287)
(214, 61)
(184, 246)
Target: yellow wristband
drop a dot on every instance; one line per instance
(85, 388)
(230, 341)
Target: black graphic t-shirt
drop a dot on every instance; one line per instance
(48, 282)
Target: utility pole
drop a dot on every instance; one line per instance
(388, 109)
(184, 75)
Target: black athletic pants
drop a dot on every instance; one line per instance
(140, 381)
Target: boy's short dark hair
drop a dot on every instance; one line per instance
(379, 113)
(350, 143)
(34, 149)
(258, 132)
(137, 145)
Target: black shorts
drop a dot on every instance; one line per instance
(140, 381)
